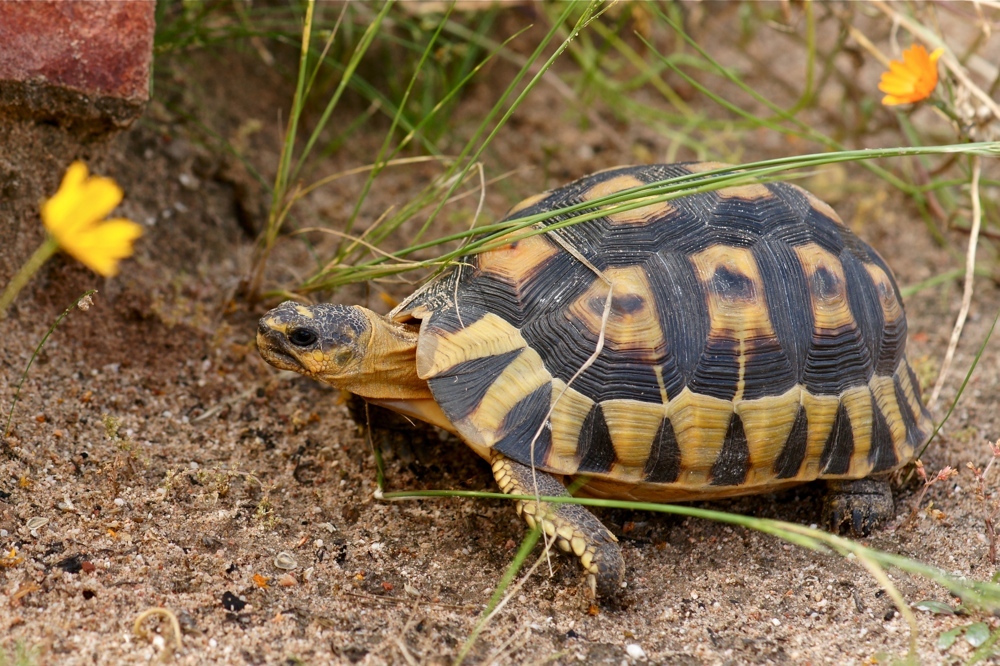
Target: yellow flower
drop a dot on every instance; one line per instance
(75, 216)
(911, 80)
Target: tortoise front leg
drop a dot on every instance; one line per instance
(575, 529)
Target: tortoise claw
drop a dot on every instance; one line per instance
(610, 571)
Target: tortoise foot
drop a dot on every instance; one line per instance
(858, 507)
(572, 527)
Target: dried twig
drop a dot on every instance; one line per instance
(970, 273)
(175, 627)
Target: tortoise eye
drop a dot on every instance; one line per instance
(302, 337)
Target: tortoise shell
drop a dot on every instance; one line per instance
(719, 344)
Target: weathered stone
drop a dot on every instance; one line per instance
(82, 65)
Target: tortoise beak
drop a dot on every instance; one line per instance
(272, 345)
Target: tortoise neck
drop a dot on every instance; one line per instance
(389, 366)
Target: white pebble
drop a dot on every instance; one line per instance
(635, 651)
(775, 621)
(285, 561)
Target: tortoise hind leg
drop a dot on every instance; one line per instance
(859, 506)
(575, 529)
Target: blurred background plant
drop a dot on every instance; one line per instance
(404, 67)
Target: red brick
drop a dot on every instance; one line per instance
(76, 61)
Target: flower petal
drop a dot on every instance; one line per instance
(911, 80)
(81, 202)
(101, 247)
(59, 207)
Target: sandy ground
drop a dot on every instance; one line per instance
(156, 461)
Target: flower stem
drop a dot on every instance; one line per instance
(38, 349)
(30, 267)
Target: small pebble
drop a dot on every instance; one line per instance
(775, 621)
(288, 580)
(188, 182)
(635, 651)
(285, 561)
(36, 522)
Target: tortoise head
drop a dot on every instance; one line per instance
(325, 342)
(351, 348)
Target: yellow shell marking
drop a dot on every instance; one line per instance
(828, 288)
(518, 260)
(567, 420)
(632, 322)
(702, 167)
(612, 186)
(885, 397)
(632, 425)
(739, 317)
(640, 215)
(767, 423)
(525, 374)
(858, 403)
(891, 309)
(749, 191)
(821, 411)
(700, 423)
(490, 336)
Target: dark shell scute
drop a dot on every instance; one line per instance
(461, 388)
(789, 461)
(836, 456)
(788, 304)
(682, 306)
(863, 298)
(733, 463)
(664, 463)
(837, 360)
(596, 450)
(913, 434)
(882, 454)
(524, 438)
(805, 224)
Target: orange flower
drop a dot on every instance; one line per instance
(911, 80)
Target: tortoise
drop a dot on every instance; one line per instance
(723, 343)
